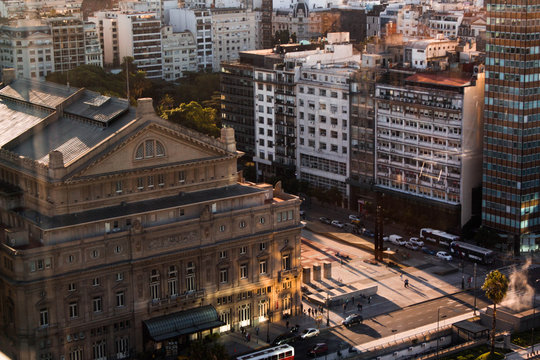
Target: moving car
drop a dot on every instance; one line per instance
(428, 251)
(416, 241)
(410, 245)
(352, 319)
(354, 218)
(444, 255)
(285, 338)
(324, 220)
(310, 332)
(337, 223)
(318, 349)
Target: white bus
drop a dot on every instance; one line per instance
(473, 252)
(281, 352)
(438, 237)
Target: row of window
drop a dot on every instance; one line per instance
(73, 308)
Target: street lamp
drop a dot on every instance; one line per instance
(534, 315)
(327, 310)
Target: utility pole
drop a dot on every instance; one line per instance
(327, 310)
(474, 290)
(379, 227)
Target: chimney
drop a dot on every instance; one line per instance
(8, 75)
(56, 164)
(227, 136)
(144, 107)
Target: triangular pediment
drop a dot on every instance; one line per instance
(151, 146)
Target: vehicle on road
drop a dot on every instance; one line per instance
(396, 240)
(285, 352)
(416, 241)
(385, 238)
(337, 224)
(309, 332)
(367, 232)
(428, 251)
(436, 236)
(285, 338)
(411, 246)
(325, 220)
(473, 252)
(318, 349)
(444, 255)
(354, 218)
(352, 319)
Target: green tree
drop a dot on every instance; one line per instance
(207, 349)
(282, 37)
(195, 117)
(495, 286)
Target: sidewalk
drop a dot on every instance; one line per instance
(525, 353)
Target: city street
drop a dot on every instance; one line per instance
(392, 323)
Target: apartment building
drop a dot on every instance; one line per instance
(233, 31)
(179, 53)
(92, 52)
(68, 41)
(27, 46)
(199, 22)
(323, 153)
(107, 28)
(429, 140)
(428, 53)
(122, 224)
(445, 23)
(295, 20)
(362, 127)
(511, 185)
(139, 36)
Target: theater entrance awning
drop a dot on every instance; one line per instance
(183, 323)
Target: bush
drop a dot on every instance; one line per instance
(486, 356)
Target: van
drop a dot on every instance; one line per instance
(396, 240)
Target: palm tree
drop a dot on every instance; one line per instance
(495, 286)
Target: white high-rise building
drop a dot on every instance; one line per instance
(93, 53)
(179, 53)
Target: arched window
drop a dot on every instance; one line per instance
(149, 149)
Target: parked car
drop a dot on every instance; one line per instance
(324, 220)
(285, 338)
(318, 349)
(385, 238)
(337, 223)
(352, 319)
(368, 233)
(310, 332)
(428, 251)
(416, 241)
(397, 240)
(444, 255)
(354, 218)
(410, 245)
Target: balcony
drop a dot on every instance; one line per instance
(175, 301)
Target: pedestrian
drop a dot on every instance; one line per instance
(359, 307)
(470, 281)
(401, 276)
(257, 331)
(248, 337)
(369, 300)
(352, 300)
(344, 308)
(287, 324)
(406, 283)
(309, 311)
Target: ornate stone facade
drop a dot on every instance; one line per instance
(108, 226)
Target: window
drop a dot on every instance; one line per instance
(119, 187)
(243, 271)
(262, 246)
(161, 179)
(190, 276)
(242, 224)
(73, 310)
(181, 177)
(222, 228)
(97, 305)
(154, 285)
(261, 220)
(44, 317)
(121, 346)
(223, 276)
(150, 149)
(150, 181)
(243, 250)
(95, 281)
(222, 254)
(140, 183)
(262, 267)
(286, 262)
(173, 281)
(119, 276)
(120, 299)
(99, 350)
